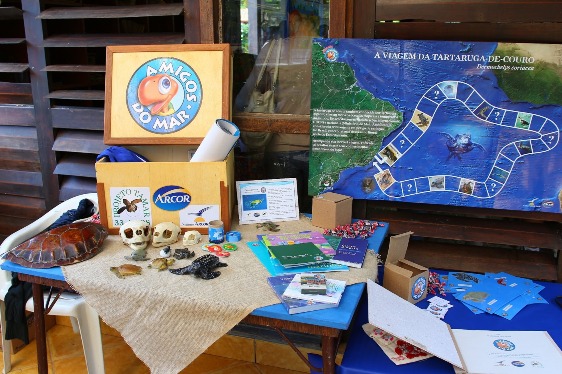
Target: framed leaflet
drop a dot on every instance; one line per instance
(165, 94)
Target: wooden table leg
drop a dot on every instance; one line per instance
(39, 323)
(329, 344)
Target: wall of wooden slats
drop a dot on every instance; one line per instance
(52, 74)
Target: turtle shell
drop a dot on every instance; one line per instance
(63, 245)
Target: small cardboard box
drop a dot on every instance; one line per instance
(331, 209)
(189, 194)
(402, 277)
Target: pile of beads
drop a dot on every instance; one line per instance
(359, 229)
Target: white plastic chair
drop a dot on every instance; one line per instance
(85, 320)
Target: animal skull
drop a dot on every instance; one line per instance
(135, 234)
(165, 233)
(191, 238)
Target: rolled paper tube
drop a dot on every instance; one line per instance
(218, 142)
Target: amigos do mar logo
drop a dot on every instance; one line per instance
(164, 95)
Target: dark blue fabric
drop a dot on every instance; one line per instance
(15, 300)
(85, 209)
(120, 154)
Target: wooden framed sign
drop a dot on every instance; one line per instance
(165, 94)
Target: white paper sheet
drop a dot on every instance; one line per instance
(410, 323)
(507, 352)
(218, 142)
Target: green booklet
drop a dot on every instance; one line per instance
(298, 254)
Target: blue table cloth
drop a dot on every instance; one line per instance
(363, 355)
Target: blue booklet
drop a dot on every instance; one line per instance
(498, 293)
(274, 267)
(280, 283)
(351, 252)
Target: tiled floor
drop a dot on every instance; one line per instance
(232, 355)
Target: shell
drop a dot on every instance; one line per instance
(126, 270)
(63, 245)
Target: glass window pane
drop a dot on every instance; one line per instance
(272, 52)
(272, 42)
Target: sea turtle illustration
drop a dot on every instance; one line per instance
(255, 203)
(126, 270)
(129, 206)
(461, 143)
(202, 267)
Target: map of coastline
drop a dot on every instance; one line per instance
(468, 124)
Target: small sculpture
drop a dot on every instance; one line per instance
(165, 233)
(135, 234)
(137, 255)
(166, 252)
(161, 263)
(192, 237)
(202, 267)
(268, 226)
(181, 253)
(126, 270)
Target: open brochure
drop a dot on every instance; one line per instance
(473, 351)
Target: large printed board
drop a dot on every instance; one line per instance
(473, 124)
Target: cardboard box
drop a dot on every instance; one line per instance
(402, 277)
(331, 209)
(189, 194)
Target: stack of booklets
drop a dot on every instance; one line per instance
(309, 251)
(288, 289)
(501, 294)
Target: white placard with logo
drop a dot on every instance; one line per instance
(199, 215)
(130, 203)
(267, 200)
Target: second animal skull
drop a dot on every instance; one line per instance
(165, 233)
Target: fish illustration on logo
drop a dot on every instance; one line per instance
(157, 91)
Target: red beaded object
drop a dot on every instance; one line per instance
(359, 229)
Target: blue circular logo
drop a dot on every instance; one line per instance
(171, 198)
(330, 53)
(164, 95)
(504, 345)
(418, 288)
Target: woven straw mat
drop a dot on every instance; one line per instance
(169, 320)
